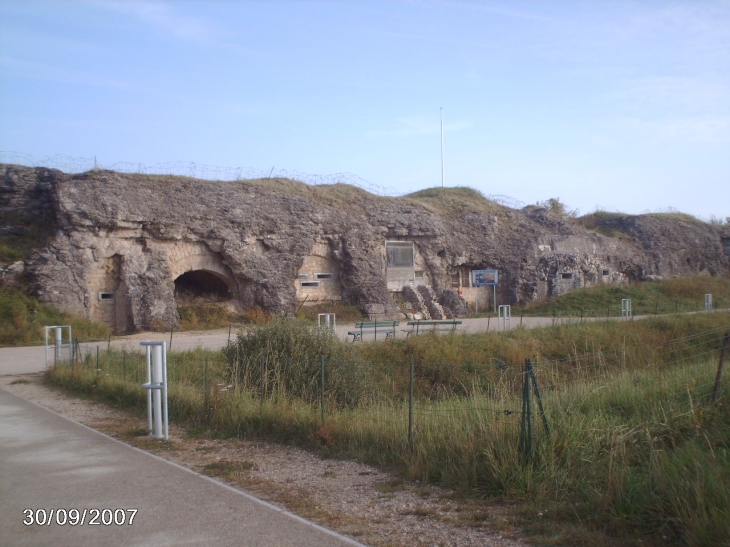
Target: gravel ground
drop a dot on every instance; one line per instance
(351, 498)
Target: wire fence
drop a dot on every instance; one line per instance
(624, 383)
(607, 313)
(76, 165)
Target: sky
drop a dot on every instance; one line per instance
(611, 105)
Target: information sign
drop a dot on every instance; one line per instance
(482, 278)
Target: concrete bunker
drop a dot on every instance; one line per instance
(200, 273)
(107, 298)
(202, 284)
(318, 279)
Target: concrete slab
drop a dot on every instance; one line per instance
(48, 461)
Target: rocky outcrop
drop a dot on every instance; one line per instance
(129, 237)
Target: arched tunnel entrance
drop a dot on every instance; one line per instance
(202, 285)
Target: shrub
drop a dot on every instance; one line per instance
(290, 353)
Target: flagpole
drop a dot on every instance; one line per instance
(442, 147)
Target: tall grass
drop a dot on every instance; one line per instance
(637, 449)
(22, 318)
(680, 294)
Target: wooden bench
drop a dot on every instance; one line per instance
(367, 327)
(417, 327)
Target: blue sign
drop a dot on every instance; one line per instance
(482, 278)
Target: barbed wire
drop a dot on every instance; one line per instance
(72, 165)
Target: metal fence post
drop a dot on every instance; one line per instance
(263, 385)
(321, 389)
(539, 398)
(410, 407)
(525, 446)
(205, 388)
(716, 388)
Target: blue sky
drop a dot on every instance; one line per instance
(621, 105)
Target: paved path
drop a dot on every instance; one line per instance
(48, 461)
(31, 359)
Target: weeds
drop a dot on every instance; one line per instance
(636, 451)
(22, 318)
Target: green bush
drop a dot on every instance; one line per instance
(290, 353)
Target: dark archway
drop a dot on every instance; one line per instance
(202, 283)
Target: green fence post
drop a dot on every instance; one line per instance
(263, 385)
(205, 388)
(716, 387)
(124, 365)
(539, 399)
(321, 389)
(525, 446)
(410, 407)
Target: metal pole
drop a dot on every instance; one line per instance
(172, 328)
(59, 343)
(525, 427)
(716, 388)
(156, 395)
(410, 407)
(494, 297)
(529, 417)
(205, 387)
(539, 399)
(148, 356)
(321, 389)
(263, 385)
(442, 147)
(165, 415)
(124, 365)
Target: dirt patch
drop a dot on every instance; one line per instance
(353, 499)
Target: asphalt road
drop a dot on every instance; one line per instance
(49, 462)
(32, 359)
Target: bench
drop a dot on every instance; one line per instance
(417, 327)
(367, 327)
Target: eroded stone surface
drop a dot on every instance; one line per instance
(130, 236)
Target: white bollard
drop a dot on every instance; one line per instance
(156, 395)
(626, 312)
(55, 334)
(156, 386)
(59, 343)
(330, 321)
(505, 317)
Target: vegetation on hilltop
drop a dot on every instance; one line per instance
(677, 294)
(454, 201)
(21, 235)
